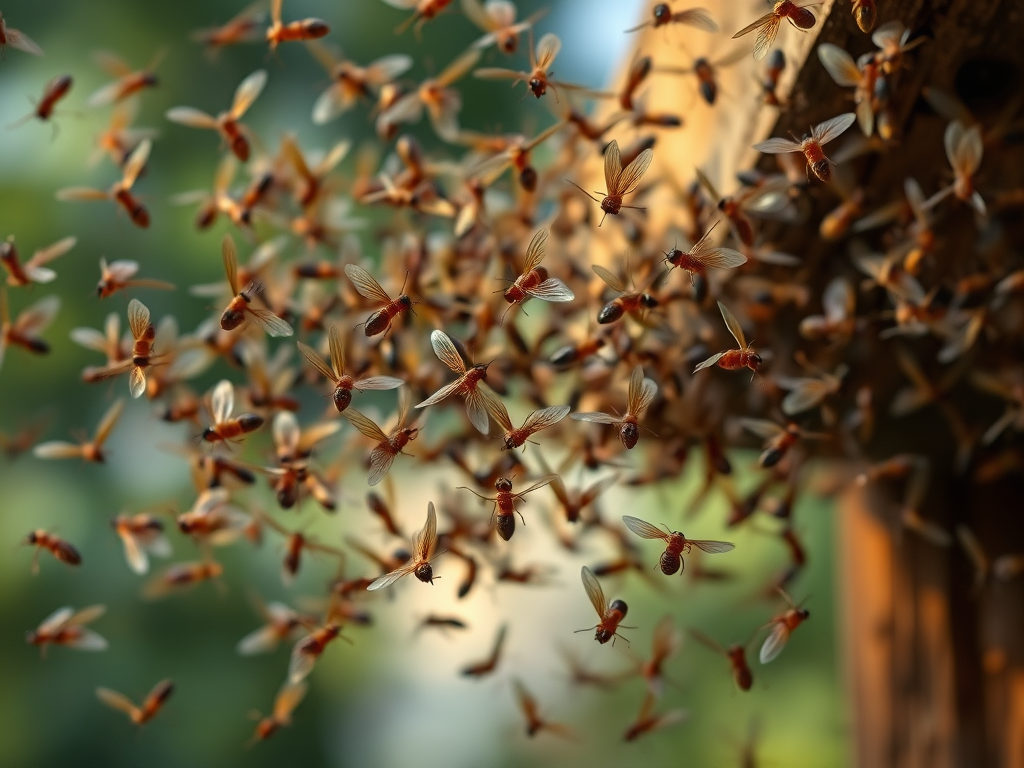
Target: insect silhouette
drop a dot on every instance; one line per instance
(663, 15)
(488, 665)
(782, 627)
(128, 83)
(304, 29)
(16, 39)
(533, 282)
(87, 450)
(286, 702)
(736, 654)
(225, 427)
(26, 328)
(540, 419)
(62, 550)
(54, 91)
(702, 256)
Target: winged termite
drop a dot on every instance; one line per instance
(353, 83)
(533, 282)
(286, 701)
(423, 545)
(296, 543)
(128, 83)
(141, 534)
(225, 427)
(434, 94)
(811, 146)
(642, 392)
(66, 626)
(707, 73)
(767, 27)
(778, 439)
(144, 712)
(538, 80)
(807, 393)
(488, 665)
(62, 550)
(120, 192)
(304, 29)
(891, 39)
(244, 27)
(736, 655)
(240, 308)
(733, 359)
(663, 15)
(469, 384)
(118, 140)
(703, 256)
(647, 721)
(16, 39)
(531, 711)
(511, 152)
(54, 91)
(515, 437)
(782, 627)
(335, 372)
(619, 181)
(309, 649)
(964, 148)
(505, 503)
(676, 544)
(182, 576)
(497, 19)
(87, 450)
(388, 446)
(770, 81)
(119, 275)
(610, 614)
(388, 309)
(423, 11)
(26, 329)
(227, 124)
(862, 78)
(629, 301)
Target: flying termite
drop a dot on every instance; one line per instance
(143, 713)
(676, 544)
(54, 91)
(87, 450)
(540, 419)
(736, 655)
(224, 427)
(66, 626)
(388, 446)
(141, 534)
(662, 15)
(34, 270)
(767, 27)
(120, 192)
(226, 123)
(531, 711)
(782, 626)
(488, 665)
(26, 329)
(641, 394)
(505, 503)
(423, 545)
(142, 356)
(304, 29)
(497, 18)
(611, 614)
(702, 256)
(733, 359)
(533, 282)
(335, 372)
(470, 384)
(16, 39)
(240, 307)
(287, 699)
(811, 147)
(128, 82)
(619, 181)
(388, 309)
(61, 549)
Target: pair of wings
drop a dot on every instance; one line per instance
(246, 93)
(645, 530)
(551, 289)
(135, 547)
(479, 400)
(693, 17)
(703, 255)
(265, 318)
(35, 269)
(423, 545)
(621, 181)
(132, 168)
(336, 370)
(641, 395)
(737, 333)
(540, 419)
(822, 133)
(59, 449)
(767, 28)
(138, 322)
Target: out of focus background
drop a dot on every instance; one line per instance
(393, 696)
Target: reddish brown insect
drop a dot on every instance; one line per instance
(538, 79)
(309, 649)
(641, 395)
(531, 711)
(128, 82)
(575, 501)
(619, 181)
(222, 403)
(782, 626)
(30, 322)
(54, 91)
(629, 301)
(665, 643)
(707, 73)
(287, 699)
(16, 39)
(497, 18)
(33, 270)
(865, 12)
(226, 123)
(66, 626)
(245, 27)
(611, 614)
(281, 624)
(964, 149)
(647, 722)
(433, 94)
(181, 576)
(304, 29)
(505, 502)
(62, 550)
(388, 446)
(488, 665)
(535, 422)
(91, 450)
(119, 275)
(676, 544)
(423, 545)
(479, 399)
(778, 439)
(151, 705)
(534, 282)
(141, 535)
(733, 359)
(120, 192)
(143, 332)
(296, 543)
(767, 27)
(662, 15)
(811, 147)
(240, 307)
(737, 656)
(425, 10)
(353, 83)
(702, 257)
(389, 309)
(335, 372)
(861, 77)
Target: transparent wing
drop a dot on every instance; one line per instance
(390, 578)
(38, 316)
(696, 17)
(134, 554)
(476, 409)
(806, 395)
(138, 318)
(446, 351)
(733, 325)
(116, 700)
(547, 50)
(81, 193)
(825, 132)
(720, 258)
(230, 258)
(57, 449)
(444, 392)
(48, 254)
(286, 433)
(643, 529)
(777, 146)
(459, 67)
(535, 251)
(632, 173)
(641, 391)
(499, 413)
(88, 640)
(191, 117)
(597, 417)
(756, 25)
(967, 152)
(762, 427)
(766, 36)
(611, 280)
(247, 92)
(222, 401)
(425, 541)
(839, 64)
(775, 642)
(709, 362)
(55, 621)
(136, 162)
(368, 287)
(137, 382)
(381, 459)
(365, 425)
(499, 73)
(838, 300)
(551, 289)
(107, 422)
(594, 591)
(545, 417)
(288, 698)
(271, 323)
(378, 383)
(317, 362)
(712, 547)
(539, 484)
(262, 640)
(612, 166)
(385, 69)
(18, 39)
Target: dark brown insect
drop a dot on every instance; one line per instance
(629, 301)
(619, 181)
(488, 665)
(423, 545)
(539, 79)
(778, 439)
(353, 83)
(505, 502)
(767, 27)
(389, 309)
(34, 270)
(865, 12)
(226, 123)
(770, 83)
(119, 275)
(54, 91)
(702, 256)
(498, 21)
(142, 714)
(610, 614)
(309, 649)
(240, 307)
(120, 192)
(141, 534)
(733, 359)
(736, 655)
(665, 643)
(244, 27)
(62, 550)
(335, 372)
(535, 422)
(641, 395)
(142, 355)
(676, 544)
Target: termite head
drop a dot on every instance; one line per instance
(405, 301)
(754, 361)
(506, 525)
(803, 613)
(424, 573)
(538, 86)
(503, 484)
(648, 301)
(150, 80)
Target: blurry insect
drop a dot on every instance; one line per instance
(891, 39)
(782, 626)
(309, 649)
(534, 282)
(629, 301)
(62, 550)
(676, 544)
(707, 72)
(807, 393)
(641, 394)
(778, 439)
(505, 502)
(538, 79)
(512, 152)
(295, 544)
(692, 17)
(425, 10)
(442, 623)
(33, 270)
(486, 667)
(128, 82)
(142, 357)
(240, 307)
(141, 534)
(702, 257)
(16, 39)
(13, 445)
(497, 18)
(770, 83)
(120, 192)
(181, 576)
(66, 626)
(304, 29)
(380, 321)
(224, 428)
(733, 359)
(845, 72)
(151, 705)
(54, 91)
(286, 701)
(538, 420)
(91, 450)
(811, 147)
(388, 446)
(838, 323)
(119, 275)
(534, 722)
(245, 27)
(964, 148)
(665, 643)
(611, 614)
(865, 12)
(619, 181)
(423, 545)
(435, 95)
(479, 399)
(226, 123)
(281, 623)
(575, 501)
(335, 372)
(30, 322)
(737, 656)
(648, 722)
(767, 27)
(353, 83)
